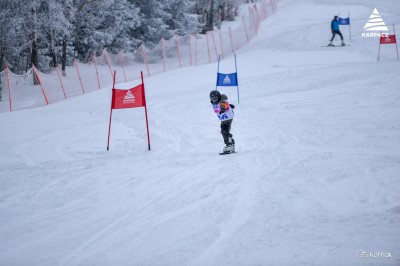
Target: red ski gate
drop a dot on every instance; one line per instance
(131, 98)
(388, 39)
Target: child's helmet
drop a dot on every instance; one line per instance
(215, 97)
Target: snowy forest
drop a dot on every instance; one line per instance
(47, 33)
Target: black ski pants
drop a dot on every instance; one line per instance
(225, 130)
(334, 32)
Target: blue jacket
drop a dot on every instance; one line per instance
(335, 25)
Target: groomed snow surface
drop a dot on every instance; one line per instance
(316, 179)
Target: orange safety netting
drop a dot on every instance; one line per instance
(34, 88)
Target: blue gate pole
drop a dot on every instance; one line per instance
(349, 25)
(237, 80)
(216, 85)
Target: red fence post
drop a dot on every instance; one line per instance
(179, 52)
(121, 61)
(265, 9)
(195, 50)
(40, 83)
(108, 62)
(79, 75)
(62, 85)
(163, 51)
(97, 72)
(208, 47)
(220, 42)
(230, 37)
(190, 49)
(245, 30)
(251, 13)
(145, 58)
(9, 87)
(273, 6)
(215, 46)
(257, 17)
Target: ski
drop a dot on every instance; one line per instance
(335, 45)
(225, 153)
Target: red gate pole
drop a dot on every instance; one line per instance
(8, 86)
(111, 108)
(145, 111)
(40, 83)
(395, 41)
(379, 50)
(348, 12)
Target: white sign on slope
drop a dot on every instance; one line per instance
(375, 23)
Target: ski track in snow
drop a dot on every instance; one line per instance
(314, 181)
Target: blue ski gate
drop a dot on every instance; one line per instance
(227, 79)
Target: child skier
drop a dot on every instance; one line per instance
(225, 113)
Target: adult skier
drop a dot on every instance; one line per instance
(335, 30)
(225, 113)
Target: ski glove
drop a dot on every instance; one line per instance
(223, 106)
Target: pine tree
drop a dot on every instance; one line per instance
(183, 20)
(42, 31)
(152, 16)
(118, 26)
(54, 28)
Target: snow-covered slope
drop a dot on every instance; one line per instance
(315, 181)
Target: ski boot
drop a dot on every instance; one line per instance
(343, 44)
(330, 44)
(230, 147)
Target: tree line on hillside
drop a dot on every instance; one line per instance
(47, 33)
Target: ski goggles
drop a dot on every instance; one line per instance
(214, 99)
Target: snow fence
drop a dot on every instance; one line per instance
(35, 88)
